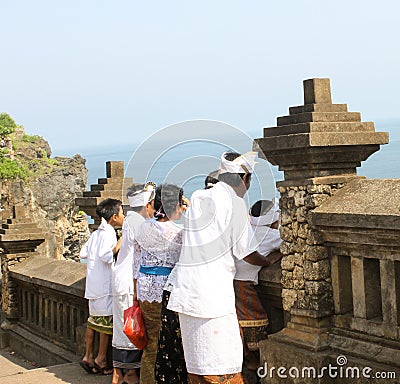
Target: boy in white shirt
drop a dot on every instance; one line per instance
(264, 219)
(99, 252)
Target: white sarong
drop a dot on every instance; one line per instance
(212, 346)
(120, 303)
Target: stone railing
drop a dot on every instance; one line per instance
(51, 310)
(361, 227)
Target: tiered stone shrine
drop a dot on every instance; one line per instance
(340, 270)
(112, 186)
(319, 139)
(19, 238)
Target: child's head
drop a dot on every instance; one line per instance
(168, 201)
(141, 198)
(265, 212)
(111, 211)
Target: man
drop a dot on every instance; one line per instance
(217, 231)
(126, 357)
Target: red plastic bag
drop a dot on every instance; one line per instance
(134, 326)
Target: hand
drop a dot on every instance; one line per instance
(117, 246)
(185, 203)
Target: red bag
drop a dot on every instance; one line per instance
(134, 326)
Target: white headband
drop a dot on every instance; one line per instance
(141, 198)
(242, 164)
(270, 217)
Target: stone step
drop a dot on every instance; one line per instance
(115, 181)
(348, 126)
(318, 117)
(19, 225)
(97, 187)
(92, 194)
(22, 231)
(19, 221)
(318, 108)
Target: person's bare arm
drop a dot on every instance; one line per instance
(257, 259)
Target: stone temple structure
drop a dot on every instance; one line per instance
(341, 244)
(333, 303)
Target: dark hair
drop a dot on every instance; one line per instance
(133, 189)
(212, 178)
(233, 179)
(261, 207)
(107, 208)
(166, 199)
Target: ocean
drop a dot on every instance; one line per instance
(186, 161)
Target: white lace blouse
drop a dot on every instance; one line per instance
(156, 244)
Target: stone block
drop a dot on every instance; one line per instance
(318, 288)
(115, 169)
(316, 253)
(315, 237)
(298, 277)
(285, 217)
(298, 259)
(319, 188)
(287, 279)
(319, 117)
(287, 262)
(289, 296)
(299, 198)
(317, 91)
(287, 233)
(318, 270)
(302, 214)
(313, 201)
(303, 231)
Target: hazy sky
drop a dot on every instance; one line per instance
(91, 73)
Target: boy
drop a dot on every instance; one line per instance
(264, 218)
(99, 251)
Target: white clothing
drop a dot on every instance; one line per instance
(156, 244)
(99, 255)
(266, 240)
(243, 164)
(119, 339)
(122, 280)
(217, 231)
(101, 306)
(212, 346)
(122, 274)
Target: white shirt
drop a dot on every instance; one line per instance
(156, 244)
(98, 252)
(217, 231)
(122, 273)
(266, 240)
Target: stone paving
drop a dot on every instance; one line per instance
(15, 370)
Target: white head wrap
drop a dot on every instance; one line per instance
(243, 164)
(270, 217)
(141, 198)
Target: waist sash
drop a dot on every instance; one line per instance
(155, 270)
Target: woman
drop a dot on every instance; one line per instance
(157, 248)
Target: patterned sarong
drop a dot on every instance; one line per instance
(251, 314)
(170, 361)
(235, 378)
(101, 324)
(151, 316)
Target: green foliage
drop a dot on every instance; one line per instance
(12, 169)
(7, 124)
(31, 138)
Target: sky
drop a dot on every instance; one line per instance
(92, 73)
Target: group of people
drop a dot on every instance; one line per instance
(195, 285)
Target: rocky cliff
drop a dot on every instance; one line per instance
(48, 192)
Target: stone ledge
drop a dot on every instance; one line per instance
(64, 276)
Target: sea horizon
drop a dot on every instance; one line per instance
(383, 164)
